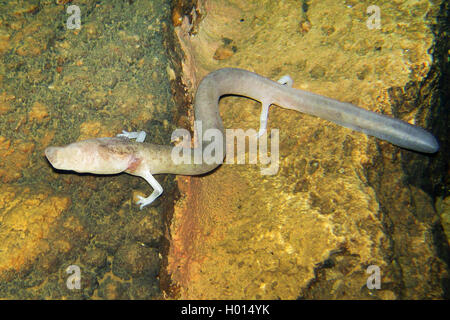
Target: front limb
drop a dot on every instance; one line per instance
(146, 174)
(157, 190)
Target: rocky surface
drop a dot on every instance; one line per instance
(341, 201)
(59, 86)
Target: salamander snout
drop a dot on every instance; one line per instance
(51, 154)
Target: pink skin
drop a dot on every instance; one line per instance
(120, 154)
(93, 156)
(105, 156)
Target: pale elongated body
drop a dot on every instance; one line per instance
(121, 154)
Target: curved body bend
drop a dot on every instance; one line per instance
(120, 154)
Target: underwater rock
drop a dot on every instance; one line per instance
(135, 260)
(27, 221)
(338, 196)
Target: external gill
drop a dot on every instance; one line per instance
(139, 136)
(157, 188)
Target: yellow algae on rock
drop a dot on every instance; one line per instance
(5, 107)
(95, 129)
(26, 220)
(4, 41)
(14, 157)
(443, 207)
(22, 7)
(312, 229)
(31, 48)
(39, 112)
(5, 99)
(32, 39)
(90, 129)
(223, 53)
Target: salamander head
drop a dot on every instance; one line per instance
(100, 156)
